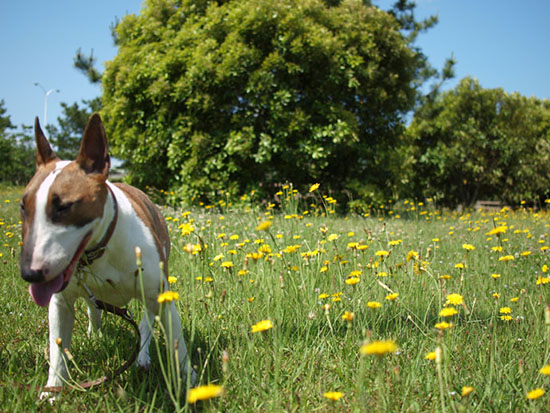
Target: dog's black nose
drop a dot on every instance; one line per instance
(32, 276)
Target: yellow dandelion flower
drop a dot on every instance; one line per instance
(348, 316)
(265, 248)
(374, 304)
(378, 348)
(448, 312)
(314, 187)
(506, 317)
(204, 393)
(443, 325)
(412, 255)
(333, 395)
(466, 390)
(505, 310)
(291, 248)
(382, 253)
(255, 255)
(392, 296)
(497, 230)
(496, 296)
(545, 370)
(352, 280)
(168, 297)
(430, 356)
(525, 253)
(226, 264)
(460, 266)
(495, 276)
(332, 237)
(506, 258)
(535, 394)
(497, 249)
(454, 299)
(445, 277)
(261, 326)
(264, 226)
(323, 295)
(186, 229)
(468, 247)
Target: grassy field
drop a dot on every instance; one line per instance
(461, 295)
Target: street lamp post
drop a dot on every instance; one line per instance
(46, 94)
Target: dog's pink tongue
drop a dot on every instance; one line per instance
(42, 293)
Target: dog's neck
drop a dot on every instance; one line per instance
(97, 251)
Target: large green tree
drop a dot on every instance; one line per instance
(229, 95)
(472, 143)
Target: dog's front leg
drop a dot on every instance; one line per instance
(61, 319)
(94, 318)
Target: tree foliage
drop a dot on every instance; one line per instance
(16, 155)
(67, 136)
(225, 95)
(472, 143)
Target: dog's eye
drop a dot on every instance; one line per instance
(64, 208)
(60, 208)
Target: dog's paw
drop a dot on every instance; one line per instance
(48, 396)
(144, 363)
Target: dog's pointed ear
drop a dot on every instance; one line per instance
(93, 155)
(44, 152)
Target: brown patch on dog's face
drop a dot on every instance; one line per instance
(76, 198)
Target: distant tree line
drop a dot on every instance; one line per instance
(231, 96)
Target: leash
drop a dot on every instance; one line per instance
(126, 315)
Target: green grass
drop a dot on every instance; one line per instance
(311, 350)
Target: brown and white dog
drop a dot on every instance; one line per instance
(70, 209)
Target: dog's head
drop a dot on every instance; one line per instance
(60, 208)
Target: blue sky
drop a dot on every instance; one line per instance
(502, 43)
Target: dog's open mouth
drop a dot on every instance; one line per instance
(42, 293)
